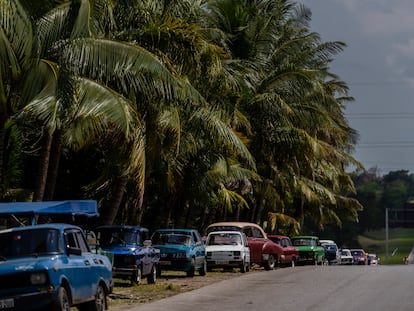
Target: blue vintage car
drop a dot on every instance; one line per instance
(50, 267)
(181, 250)
(133, 255)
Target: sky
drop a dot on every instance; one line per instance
(378, 67)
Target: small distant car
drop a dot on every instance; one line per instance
(359, 256)
(181, 250)
(290, 252)
(372, 259)
(346, 257)
(263, 251)
(228, 249)
(332, 254)
(310, 249)
(133, 255)
(50, 267)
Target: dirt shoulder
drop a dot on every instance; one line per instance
(124, 295)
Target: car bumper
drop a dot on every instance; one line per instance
(31, 301)
(175, 265)
(224, 263)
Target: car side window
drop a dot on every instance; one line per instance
(76, 239)
(196, 238)
(248, 232)
(257, 233)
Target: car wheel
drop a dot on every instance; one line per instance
(202, 271)
(137, 276)
(99, 304)
(191, 272)
(152, 277)
(270, 263)
(243, 267)
(62, 302)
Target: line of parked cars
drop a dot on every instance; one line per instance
(40, 265)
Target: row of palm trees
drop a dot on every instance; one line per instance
(186, 111)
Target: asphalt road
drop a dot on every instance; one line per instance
(304, 288)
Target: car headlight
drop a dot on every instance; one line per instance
(38, 278)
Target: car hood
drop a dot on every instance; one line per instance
(173, 248)
(224, 248)
(122, 249)
(26, 264)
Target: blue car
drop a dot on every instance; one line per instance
(133, 256)
(50, 267)
(180, 250)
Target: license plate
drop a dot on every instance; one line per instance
(6, 303)
(165, 263)
(222, 262)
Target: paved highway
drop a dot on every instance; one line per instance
(303, 288)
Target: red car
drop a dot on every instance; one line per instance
(263, 251)
(290, 252)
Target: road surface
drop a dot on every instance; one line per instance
(303, 288)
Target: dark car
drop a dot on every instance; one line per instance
(50, 267)
(332, 254)
(263, 251)
(290, 252)
(133, 255)
(181, 250)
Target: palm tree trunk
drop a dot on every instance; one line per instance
(109, 213)
(55, 154)
(43, 167)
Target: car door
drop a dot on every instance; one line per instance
(199, 248)
(77, 266)
(288, 249)
(256, 241)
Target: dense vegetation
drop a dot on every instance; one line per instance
(175, 113)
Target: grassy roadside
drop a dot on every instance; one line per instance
(400, 243)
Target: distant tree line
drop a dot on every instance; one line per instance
(176, 113)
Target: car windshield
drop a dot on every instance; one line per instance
(346, 253)
(118, 236)
(357, 253)
(330, 247)
(304, 242)
(224, 239)
(30, 243)
(171, 238)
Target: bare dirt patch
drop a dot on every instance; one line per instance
(126, 295)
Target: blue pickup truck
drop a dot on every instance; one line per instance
(50, 267)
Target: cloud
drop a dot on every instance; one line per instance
(381, 17)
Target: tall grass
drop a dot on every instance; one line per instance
(400, 244)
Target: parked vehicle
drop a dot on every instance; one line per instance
(133, 255)
(181, 250)
(359, 256)
(310, 249)
(290, 252)
(332, 254)
(50, 267)
(372, 259)
(228, 250)
(346, 257)
(263, 251)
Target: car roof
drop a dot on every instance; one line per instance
(175, 230)
(226, 232)
(305, 237)
(119, 227)
(239, 224)
(59, 226)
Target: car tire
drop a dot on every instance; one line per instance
(98, 304)
(203, 270)
(152, 277)
(270, 263)
(62, 302)
(244, 267)
(191, 272)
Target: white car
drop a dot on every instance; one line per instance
(227, 250)
(346, 257)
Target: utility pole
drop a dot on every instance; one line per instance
(386, 236)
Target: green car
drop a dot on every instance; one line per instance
(310, 249)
